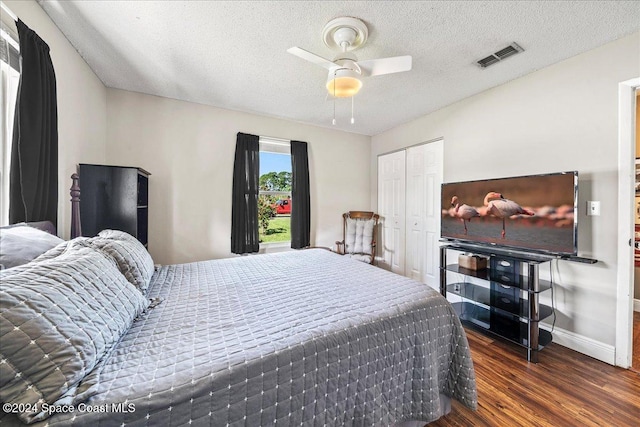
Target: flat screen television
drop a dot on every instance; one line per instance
(535, 213)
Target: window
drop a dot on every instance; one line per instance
(9, 79)
(274, 196)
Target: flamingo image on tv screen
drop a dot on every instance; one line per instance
(535, 213)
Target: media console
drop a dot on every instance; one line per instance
(502, 301)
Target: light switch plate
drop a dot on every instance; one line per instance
(593, 208)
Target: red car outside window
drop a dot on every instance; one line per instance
(283, 207)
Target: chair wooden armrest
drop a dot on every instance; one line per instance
(340, 247)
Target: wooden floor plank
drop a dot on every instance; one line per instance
(565, 388)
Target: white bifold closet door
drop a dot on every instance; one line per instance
(391, 201)
(409, 184)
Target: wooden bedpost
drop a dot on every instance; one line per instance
(76, 228)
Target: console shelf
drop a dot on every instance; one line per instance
(494, 299)
(520, 281)
(479, 318)
(505, 302)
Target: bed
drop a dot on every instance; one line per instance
(297, 338)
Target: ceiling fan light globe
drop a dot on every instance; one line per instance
(343, 83)
(344, 87)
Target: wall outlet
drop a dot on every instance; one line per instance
(593, 208)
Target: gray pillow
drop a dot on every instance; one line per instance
(131, 256)
(118, 235)
(58, 318)
(21, 244)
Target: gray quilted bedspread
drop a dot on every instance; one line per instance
(296, 338)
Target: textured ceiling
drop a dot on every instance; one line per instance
(233, 54)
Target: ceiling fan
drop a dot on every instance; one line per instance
(346, 34)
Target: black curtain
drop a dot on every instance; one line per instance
(301, 208)
(33, 182)
(244, 210)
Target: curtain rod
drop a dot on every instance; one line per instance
(8, 11)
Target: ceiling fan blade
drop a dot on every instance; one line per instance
(312, 57)
(376, 67)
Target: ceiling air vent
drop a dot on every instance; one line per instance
(498, 56)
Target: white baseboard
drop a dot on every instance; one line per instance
(584, 345)
(636, 305)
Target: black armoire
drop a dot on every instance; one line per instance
(114, 197)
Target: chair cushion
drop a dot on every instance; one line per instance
(359, 236)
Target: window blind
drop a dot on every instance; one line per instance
(9, 53)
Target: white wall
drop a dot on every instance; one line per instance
(189, 150)
(560, 118)
(82, 105)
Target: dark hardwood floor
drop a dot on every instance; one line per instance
(565, 388)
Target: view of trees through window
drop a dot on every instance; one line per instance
(274, 200)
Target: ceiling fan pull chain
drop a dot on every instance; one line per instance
(352, 120)
(334, 99)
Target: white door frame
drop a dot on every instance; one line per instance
(626, 186)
